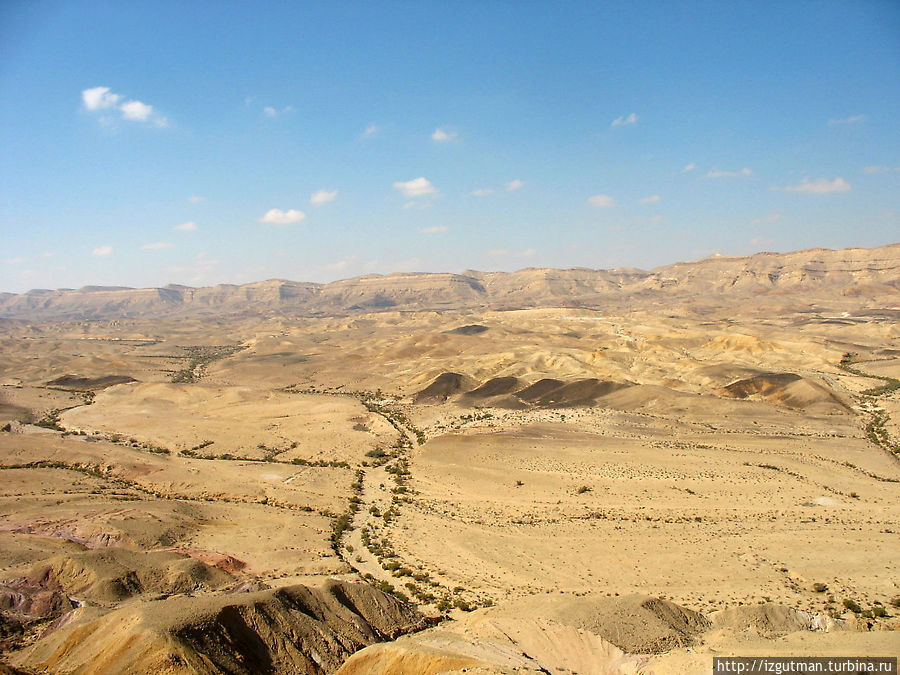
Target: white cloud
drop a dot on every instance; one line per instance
(622, 121)
(434, 229)
(196, 199)
(716, 173)
(156, 246)
(652, 199)
(689, 167)
(271, 111)
(371, 130)
(602, 201)
(136, 110)
(279, 217)
(323, 197)
(655, 219)
(189, 226)
(820, 186)
(881, 169)
(760, 242)
(527, 253)
(102, 251)
(416, 187)
(99, 98)
(14, 261)
(443, 135)
(482, 192)
(514, 185)
(855, 119)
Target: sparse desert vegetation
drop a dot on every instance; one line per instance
(727, 478)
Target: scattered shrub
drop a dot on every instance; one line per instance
(852, 606)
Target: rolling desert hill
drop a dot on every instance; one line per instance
(548, 471)
(852, 278)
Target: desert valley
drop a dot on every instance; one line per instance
(545, 471)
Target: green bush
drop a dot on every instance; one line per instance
(852, 606)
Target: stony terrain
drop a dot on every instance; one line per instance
(584, 471)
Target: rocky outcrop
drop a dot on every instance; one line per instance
(296, 629)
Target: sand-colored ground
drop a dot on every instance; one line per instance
(239, 421)
(570, 453)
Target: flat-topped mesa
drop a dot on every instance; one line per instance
(400, 291)
(91, 302)
(819, 274)
(784, 271)
(260, 295)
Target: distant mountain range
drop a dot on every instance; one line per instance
(848, 279)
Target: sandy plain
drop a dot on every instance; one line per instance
(716, 462)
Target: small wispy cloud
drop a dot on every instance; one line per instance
(820, 186)
(652, 199)
(156, 246)
(717, 173)
(689, 167)
(514, 185)
(602, 201)
(855, 119)
(882, 169)
(196, 199)
(625, 120)
(13, 261)
(434, 229)
(371, 130)
(101, 99)
(418, 206)
(102, 251)
(279, 217)
(417, 187)
(481, 192)
(189, 226)
(323, 197)
(443, 135)
(269, 111)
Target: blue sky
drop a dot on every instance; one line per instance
(208, 142)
